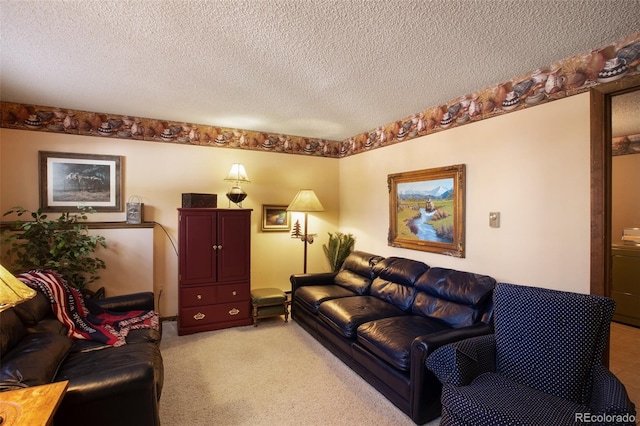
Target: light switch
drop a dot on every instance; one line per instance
(494, 219)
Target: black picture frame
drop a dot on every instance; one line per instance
(69, 180)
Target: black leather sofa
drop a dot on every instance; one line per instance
(107, 385)
(384, 316)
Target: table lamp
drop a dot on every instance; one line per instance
(12, 290)
(237, 174)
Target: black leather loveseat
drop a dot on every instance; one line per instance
(108, 385)
(384, 316)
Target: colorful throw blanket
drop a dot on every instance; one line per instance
(93, 323)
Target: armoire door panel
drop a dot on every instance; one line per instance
(197, 254)
(234, 240)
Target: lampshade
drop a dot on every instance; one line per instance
(12, 290)
(237, 174)
(305, 201)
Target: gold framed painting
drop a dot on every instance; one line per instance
(426, 210)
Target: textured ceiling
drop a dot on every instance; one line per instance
(325, 69)
(625, 110)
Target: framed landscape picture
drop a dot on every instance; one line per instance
(426, 210)
(275, 218)
(68, 180)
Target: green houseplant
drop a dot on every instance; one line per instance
(338, 248)
(63, 245)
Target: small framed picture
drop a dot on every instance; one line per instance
(275, 218)
(68, 180)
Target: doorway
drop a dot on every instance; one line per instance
(622, 353)
(601, 136)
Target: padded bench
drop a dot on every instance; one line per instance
(269, 302)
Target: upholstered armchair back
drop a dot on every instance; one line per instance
(550, 340)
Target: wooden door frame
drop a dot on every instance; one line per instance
(601, 180)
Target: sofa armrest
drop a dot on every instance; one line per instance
(427, 344)
(423, 346)
(300, 280)
(425, 385)
(143, 301)
(460, 362)
(608, 394)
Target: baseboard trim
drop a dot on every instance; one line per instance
(173, 318)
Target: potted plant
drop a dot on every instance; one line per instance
(338, 248)
(63, 245)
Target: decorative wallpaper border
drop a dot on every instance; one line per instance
(564, 78)
(625, 145)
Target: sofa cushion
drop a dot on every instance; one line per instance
(481, 404)
(142, 301)
(395, 280)
(455, 297)
(48, 325)
(313, 295)
(390, 338)
(461, 287)
(449, 313)
(356, 272)
(393, 293)
(361, 263)
(400, 270)
(145, 335)
(35, 309)
(107, 369)
(346, 314)
(12, 330)
(35, 360)
(352, 281)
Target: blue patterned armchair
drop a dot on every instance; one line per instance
(542, 366)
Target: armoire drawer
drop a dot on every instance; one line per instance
(232, 292)
(198, 296)
(202, 315)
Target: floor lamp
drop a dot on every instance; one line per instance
(305, 201)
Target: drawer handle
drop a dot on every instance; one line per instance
(234, 293)
(198, 316)
(234, 311)
(199, 297)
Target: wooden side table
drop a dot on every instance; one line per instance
(32, 406)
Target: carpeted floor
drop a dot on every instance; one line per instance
(273, 374)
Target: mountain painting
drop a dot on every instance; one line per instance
(425, 210)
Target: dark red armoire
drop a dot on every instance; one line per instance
(214, 269)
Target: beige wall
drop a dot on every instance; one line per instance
(625, 206)
(160, 173)
(532, 166)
